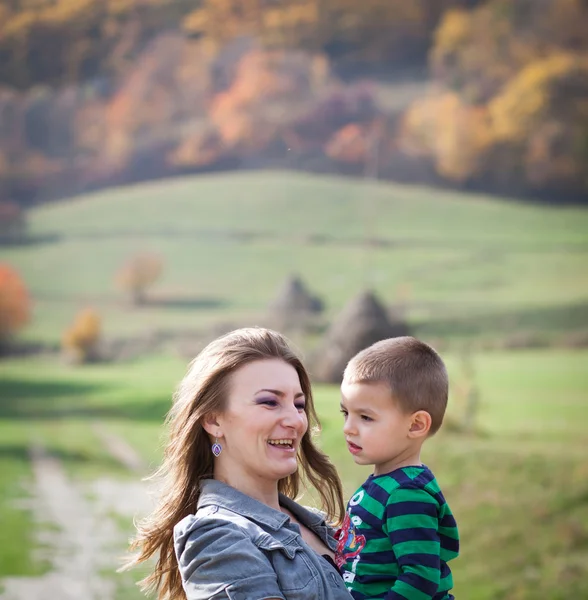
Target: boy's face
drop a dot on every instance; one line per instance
(376, 429)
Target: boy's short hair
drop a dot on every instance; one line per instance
(415, 373)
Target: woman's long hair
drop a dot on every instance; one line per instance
(188, 458)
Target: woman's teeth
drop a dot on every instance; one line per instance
(287, 443)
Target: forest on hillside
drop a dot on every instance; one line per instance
(478, 94)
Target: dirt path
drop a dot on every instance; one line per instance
(82, 543)
(119, 449)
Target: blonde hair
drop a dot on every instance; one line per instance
(414, 372)
(188, 457)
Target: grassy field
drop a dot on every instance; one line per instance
(467, 267)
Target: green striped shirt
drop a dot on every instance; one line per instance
(397, 538)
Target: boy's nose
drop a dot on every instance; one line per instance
(348, 426)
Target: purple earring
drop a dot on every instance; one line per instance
(216, 447)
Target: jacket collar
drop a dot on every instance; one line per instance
(213, 492)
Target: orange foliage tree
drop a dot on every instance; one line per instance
(161, 101)
(80, 341)
(268, 88)
(138, 274)
(351, 144)
(15, 303)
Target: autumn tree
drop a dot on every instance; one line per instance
(350, 144)
(15, 303)
(317, 125)
(542, 115)
(476, 52)
(268, 90)
(161, 102)
(80, 340)
(511, 110)
(138, 274)
(454, 134)
(56, 42)
(368, 32)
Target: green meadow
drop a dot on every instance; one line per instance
(468, 265)
(466, 269)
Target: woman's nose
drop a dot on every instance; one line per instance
(293, 417)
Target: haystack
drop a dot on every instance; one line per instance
(294, 305)
(362, 322)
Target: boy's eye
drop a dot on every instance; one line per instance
(366, 418)
(344, 413)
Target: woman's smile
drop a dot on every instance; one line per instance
(286, 444)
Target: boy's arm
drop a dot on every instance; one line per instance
(412, 524)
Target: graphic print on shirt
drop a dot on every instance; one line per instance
(350, 543)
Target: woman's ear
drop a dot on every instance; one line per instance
(211, 425)
(420, 424)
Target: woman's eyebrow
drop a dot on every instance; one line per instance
(279, 393)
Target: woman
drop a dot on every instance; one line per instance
(239, 448)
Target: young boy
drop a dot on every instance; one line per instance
(398, 534)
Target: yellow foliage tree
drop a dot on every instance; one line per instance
(80, 341)
(476, 52)
(222, 20)
(543, 113)
(550, 87)
(454, 134)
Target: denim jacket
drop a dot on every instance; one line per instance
(238, 548)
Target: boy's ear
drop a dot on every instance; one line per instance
(420, 424)
(211, 425)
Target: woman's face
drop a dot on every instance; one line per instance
(263, 424)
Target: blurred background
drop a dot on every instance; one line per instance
(341, 171)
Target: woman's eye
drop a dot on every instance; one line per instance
(301, 406)
(269, 402)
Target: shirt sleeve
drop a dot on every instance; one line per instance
(217, 560)
(412, 525)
